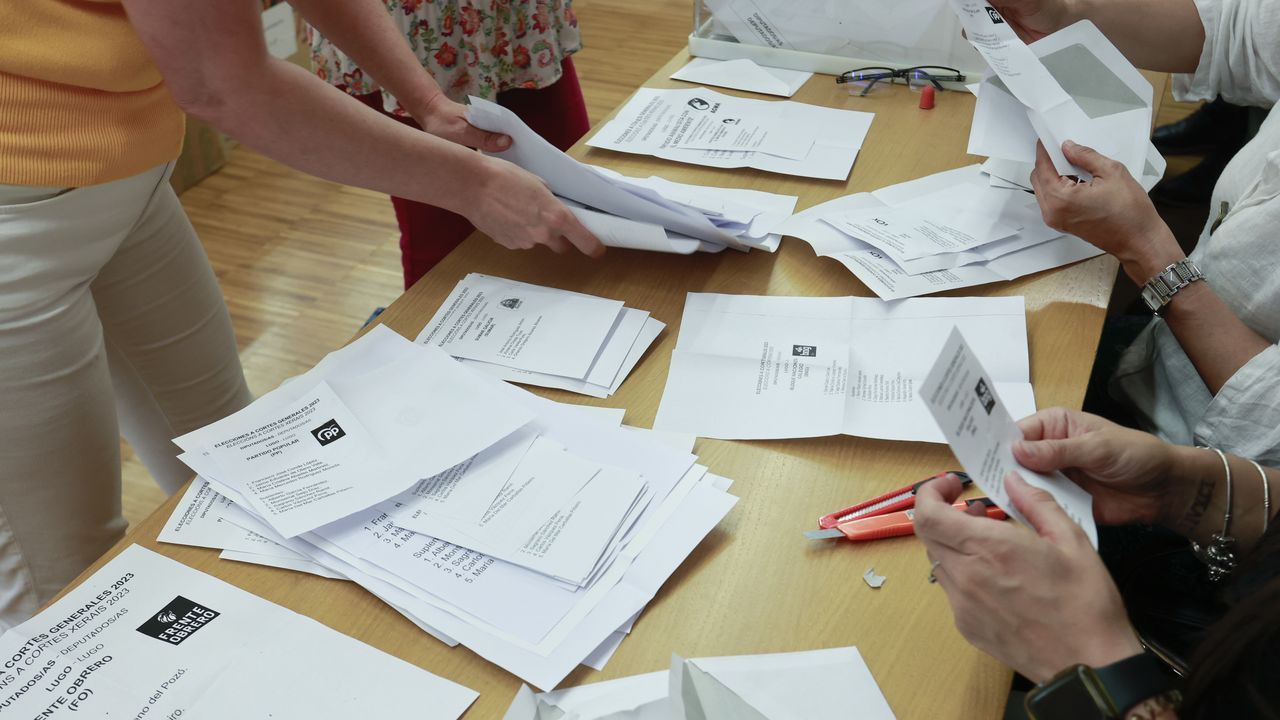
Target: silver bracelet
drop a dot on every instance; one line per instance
(1266, 496)
(1220, 554)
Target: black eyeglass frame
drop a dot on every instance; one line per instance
(876, 74)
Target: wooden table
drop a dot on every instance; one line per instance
(755, 585)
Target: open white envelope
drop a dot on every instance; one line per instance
(743, 74)
(783, 686)
(1109, 105)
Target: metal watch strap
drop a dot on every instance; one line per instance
(1159, 290)
(1134, 679)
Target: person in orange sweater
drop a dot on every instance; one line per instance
(110, 317)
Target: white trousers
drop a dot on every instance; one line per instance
(111, 322)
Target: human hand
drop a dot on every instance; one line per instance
(1128, 472)
(1038, 602)
(1033, 19)
(447, 119)
(515, 209)
(1111, 211)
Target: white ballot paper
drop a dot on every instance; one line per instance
(758, 367)
(891, 275)
(781, 686)
(743, 74)
(148, 637)
(521, 325)
(658, 122)
(541, 335)
(1071, 85)
(981, 430)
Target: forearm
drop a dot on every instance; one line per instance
(293, 117)
(1161, 35)
(1216, 341)
(1197, 502)
(364, 31)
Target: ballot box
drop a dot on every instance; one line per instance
(833, 36)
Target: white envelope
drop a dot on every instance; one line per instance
(743, 74)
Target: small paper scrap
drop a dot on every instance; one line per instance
(872, 578)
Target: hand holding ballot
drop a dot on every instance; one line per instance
(1019, 577)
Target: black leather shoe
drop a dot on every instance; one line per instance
(1216, 126)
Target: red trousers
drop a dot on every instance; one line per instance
(427, 233)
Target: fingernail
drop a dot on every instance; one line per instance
(1070, 145)
(504, 143)
(1024, 447)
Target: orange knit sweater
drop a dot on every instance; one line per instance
(81, 103)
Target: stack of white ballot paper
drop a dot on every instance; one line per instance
(532, 532)
(148, 637)
(1071, 85)
(940, 232)
(641, 213)
(704, 127)
(782, 686)
(542, 336)
(964, 399)
(758, 367)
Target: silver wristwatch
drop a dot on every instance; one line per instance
(1160, 289)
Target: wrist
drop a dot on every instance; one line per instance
(1152, 256)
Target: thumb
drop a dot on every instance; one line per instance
(1050, 455)
(1039, 508)
(1089, 160)
(485, 140)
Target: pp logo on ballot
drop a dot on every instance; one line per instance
(804, 351)
(177, 621)
(328, 432)
(994, 14)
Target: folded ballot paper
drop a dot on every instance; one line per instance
(704, 127)
(1071, 85)
(757, 367)
(940, 232)
(532, 532)
(641, 213)
(542, 336)
(782, 686)
(146, 636)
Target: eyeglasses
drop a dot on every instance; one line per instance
(915, 77)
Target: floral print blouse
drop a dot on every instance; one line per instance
(470, 47)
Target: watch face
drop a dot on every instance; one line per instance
(1068, 696)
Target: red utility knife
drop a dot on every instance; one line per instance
(894, 524)
(894, 501)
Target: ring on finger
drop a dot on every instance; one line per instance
(932, 569)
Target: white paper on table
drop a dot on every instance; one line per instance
(526, 326)
(174, 641)
(981, 431)
(909, 234)
(758, 367)
(638, 697)
(1088, 92)
(743, 74)
(726, 123)
(293, 561)
(648, 333)
(198, 521)
(683, 524)
(643, 126)
(782, 686)
(571, 179)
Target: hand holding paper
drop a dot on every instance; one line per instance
(1039, 601)
(977, 425)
